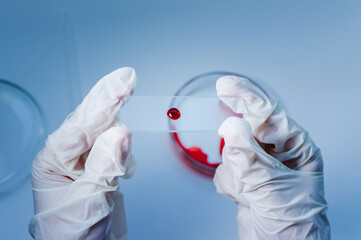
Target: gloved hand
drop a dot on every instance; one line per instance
(75, 176)
(271, 168)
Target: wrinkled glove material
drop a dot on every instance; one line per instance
(75, 176)
(271, 168)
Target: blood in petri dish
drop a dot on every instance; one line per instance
(174, 113)
(196, 153)
(221, 146)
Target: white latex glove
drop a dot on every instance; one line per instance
(75, 176)
(271, 168)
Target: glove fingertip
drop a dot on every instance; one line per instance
(116, 132)
(234, 126)
(230, 85)
(119, 84)
(125, 74)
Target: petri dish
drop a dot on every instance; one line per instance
(22, 133)
(201, 150)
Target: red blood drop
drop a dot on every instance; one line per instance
(174, 113)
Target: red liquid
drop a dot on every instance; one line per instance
(221, 146)
(196, 153)
(174, 113)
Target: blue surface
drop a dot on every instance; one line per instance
(308, 51)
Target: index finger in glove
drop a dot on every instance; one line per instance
(92, 117)
(252, 102)
(282, 137)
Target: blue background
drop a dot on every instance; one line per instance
(309, 52)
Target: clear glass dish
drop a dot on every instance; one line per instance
(201, 151)
(22, 133)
